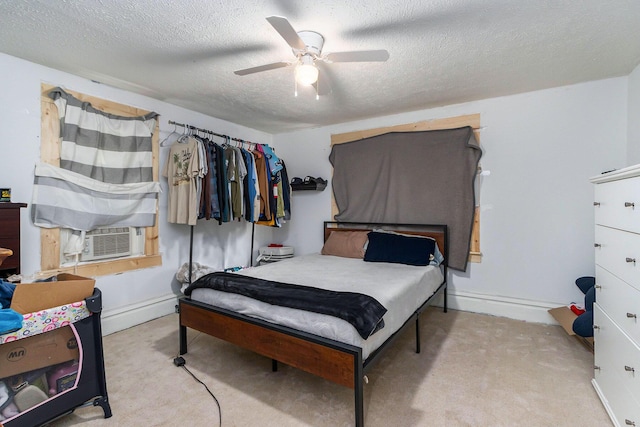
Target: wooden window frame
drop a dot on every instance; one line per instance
(473, 120)
(50, 153)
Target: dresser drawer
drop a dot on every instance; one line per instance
(619, 405)
(617, 204)
(620, 301)
(622, 409)
(616, 251)
(618, 373)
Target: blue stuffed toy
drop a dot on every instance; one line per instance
(583, 325)
(10, 320)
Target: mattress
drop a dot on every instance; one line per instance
(400, 288)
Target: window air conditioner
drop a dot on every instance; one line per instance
(107, 243)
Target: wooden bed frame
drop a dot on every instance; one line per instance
(332, 360)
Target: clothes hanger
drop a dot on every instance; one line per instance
(174, 131)
(185, 134)
(212, 136)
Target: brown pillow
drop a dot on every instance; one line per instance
(347, 244)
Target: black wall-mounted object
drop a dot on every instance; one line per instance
(308, 183)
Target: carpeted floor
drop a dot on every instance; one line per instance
(474, 370)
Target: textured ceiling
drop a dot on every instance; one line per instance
(441, 51)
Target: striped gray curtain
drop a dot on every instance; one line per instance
(105, 178)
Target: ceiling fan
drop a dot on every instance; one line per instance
(307, 48)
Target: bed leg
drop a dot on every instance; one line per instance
(359, 405)
(418, 334)
(183, 339)
(358, 392)
(445, 298)
(274, 365)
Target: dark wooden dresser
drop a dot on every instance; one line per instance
(10, 236)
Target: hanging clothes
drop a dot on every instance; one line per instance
(214, 202)
(231, 181)
(275, 164)
(264, 184)
(205, 194)
(221, 178)
(203, 168)
(252, 194)
(241, 173)
(286, 192)
(269, 216)
(182, 169)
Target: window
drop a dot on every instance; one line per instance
(52, 239)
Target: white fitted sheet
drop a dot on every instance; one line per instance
(400, 288)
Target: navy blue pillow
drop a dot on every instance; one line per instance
(387, 247)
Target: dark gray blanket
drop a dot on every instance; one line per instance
(362, 311)
(411, 177)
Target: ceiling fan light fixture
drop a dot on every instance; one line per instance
(306, 71)
(307, 49)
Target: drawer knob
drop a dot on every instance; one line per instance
(629, 422)
(597, 286)
(596, 367)
(629, 205)
(633, 260)
(629, 369)
(631, 316)
(597, 245)
(596, 203)
(596, 327)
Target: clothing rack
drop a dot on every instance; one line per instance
(253, 232)
(227, 137)
(253, 226)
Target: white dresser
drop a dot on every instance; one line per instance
(616, 324)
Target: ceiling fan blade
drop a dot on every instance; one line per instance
(261, 68)
(284, 28)
(358, 56)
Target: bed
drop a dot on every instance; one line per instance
(340, 350)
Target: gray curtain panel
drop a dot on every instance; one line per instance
(105, 178)
(411, 177)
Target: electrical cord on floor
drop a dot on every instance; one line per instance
(180, 362)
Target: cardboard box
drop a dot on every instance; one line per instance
(30, 297)
(39, 351)
(565, 317)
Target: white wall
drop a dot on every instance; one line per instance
(536, 219)
(536, 205)
(633, 135)
(131, 297)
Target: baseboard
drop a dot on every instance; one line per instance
(513, 308)
(135, 314)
